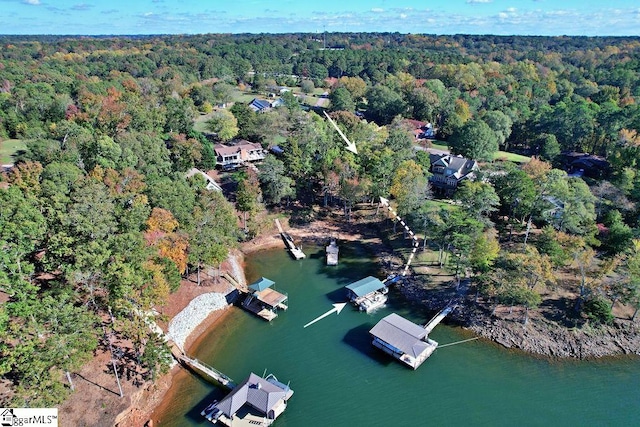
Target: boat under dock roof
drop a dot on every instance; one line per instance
(365, 286)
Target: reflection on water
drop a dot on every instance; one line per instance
(340, 379)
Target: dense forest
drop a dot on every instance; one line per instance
(99, 222)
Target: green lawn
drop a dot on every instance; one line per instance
(200, 123)
(500, 155)
(434, 205)
(244, 96)
(512, 157)
(8, 148)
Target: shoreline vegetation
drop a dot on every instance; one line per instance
(540, 336)
(107, 212)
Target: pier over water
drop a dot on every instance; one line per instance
(333, 367)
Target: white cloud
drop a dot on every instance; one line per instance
(478, 1)
(32, 2)
(377, 10)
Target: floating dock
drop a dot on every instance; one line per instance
(294, 250)
(332, 253)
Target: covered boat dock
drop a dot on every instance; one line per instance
(368, 293)
(403, 339)
(263, 300)
(256, 401)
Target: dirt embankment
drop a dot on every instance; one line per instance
(96, 388)
(96, 399)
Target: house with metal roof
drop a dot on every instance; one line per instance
(448, 171)
(259, 105)
(403, 339)
(367, 294)
(263, 300)
(255, 401)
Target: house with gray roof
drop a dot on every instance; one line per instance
(403, 339)
(448, 171)
(255, 401)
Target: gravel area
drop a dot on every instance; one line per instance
(195, 313)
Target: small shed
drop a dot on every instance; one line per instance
(403, 340)
(364, 287)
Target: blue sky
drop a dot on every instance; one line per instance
(502, 17)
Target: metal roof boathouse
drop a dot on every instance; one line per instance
(263, 300)
(403, 339)
(368, 293)
(256, 401)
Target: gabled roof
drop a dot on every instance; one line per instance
(365, 286)
(243, 144)
(457, 166)
(259, 104)
(225, 150)
(261, 284)
(401, 334)
(257, 392)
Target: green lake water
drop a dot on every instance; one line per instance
(339, 379)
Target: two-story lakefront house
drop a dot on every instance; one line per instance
(448, 171)
(238, 153)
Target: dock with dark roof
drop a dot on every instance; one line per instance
(256, 401)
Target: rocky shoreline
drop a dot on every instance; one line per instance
(539, 336)
(185, 322)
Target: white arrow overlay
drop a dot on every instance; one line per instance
(337, 308)
(350, 145)
(406, 227)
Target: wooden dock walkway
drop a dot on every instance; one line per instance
(438, 317)
(295, 251)
(205, 371)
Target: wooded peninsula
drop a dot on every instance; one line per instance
(131, 164)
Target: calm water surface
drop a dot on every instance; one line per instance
(339, 379)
